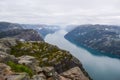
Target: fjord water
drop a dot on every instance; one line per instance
(98, 67)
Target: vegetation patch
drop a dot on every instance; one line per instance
(48, 55)
(20, 68)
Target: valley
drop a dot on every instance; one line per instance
(98, 67)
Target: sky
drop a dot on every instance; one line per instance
(61, 12)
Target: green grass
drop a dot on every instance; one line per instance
(40, 50)
(20, 68)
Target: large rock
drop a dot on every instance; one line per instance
(74, 74)
(4, 57)
(18, 76)
(4, 69)
(29, 61)
(39, 77)
(63, 78)
(7, 74)
(6, 43)
(49, 71)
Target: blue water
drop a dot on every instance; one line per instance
(98, 67)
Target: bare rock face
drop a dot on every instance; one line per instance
(63, 78)
(4, 69)
(30, 61)
(39, 77)
(4, 57)
(6, 43)
(18, 76)
(7, 74)
(74, 74)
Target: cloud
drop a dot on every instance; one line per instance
(60, 11)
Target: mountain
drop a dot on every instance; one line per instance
(4, 26)
(103, 38)
(22, 34)
(37, 61)
(42, 29)
(16, 31)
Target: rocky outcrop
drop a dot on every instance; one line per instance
(30, 61)
(25, 56)
(7, 74)
(6, 43)
(38, 61)
(18, 76)
(74, 74)
(4, 69)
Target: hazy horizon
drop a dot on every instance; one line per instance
(61, 12)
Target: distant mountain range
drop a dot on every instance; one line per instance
(16, 31)
(4, 26)
(21, 34)
(103, 38)
(42, 29)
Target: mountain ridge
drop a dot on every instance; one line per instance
(104, 38)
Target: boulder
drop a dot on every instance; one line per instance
(5, 69)
(18, 76)
(4, 57)
(74, 74)
(50, 73)
(29, 61)
(41, 76)
(63, 78)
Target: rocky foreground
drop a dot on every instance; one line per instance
(37, 61)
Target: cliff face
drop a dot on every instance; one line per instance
(37, 61)
(103, 38)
